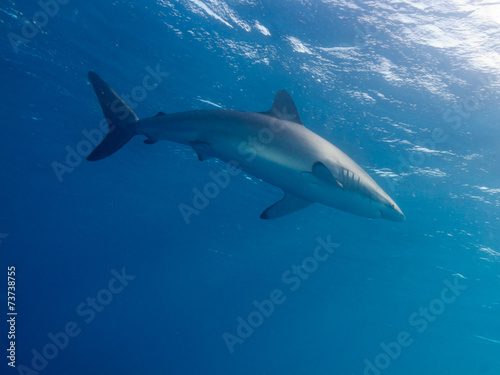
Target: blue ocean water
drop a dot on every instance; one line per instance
(111, 279)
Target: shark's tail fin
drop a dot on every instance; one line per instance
(119, 116)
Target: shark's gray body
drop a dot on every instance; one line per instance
(274, 146)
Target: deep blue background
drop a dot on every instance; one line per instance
(374, 78)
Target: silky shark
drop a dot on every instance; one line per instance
(274, 146)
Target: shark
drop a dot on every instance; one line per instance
(274, 146)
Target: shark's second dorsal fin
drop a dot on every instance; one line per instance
(284, 108)
(160, 114)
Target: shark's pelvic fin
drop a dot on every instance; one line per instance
(202, 150)
(119, 116)
(290, 203)
(284, 108)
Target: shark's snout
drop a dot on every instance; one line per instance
(392, 212)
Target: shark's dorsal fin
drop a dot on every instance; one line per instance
(284, 108)
(150, 141)
(160, 114)
(290, 203)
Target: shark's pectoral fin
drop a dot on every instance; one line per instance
(321, 173)
(284, 108)
(202, 149)
(287, 205)
(150, 141)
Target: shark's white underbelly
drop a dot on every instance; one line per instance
(284, 164)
